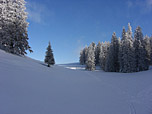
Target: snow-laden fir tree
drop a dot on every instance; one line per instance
(49, 58)
(85, 53)
(93, 45)
(103, 54)
(138, 37)
(120, 54)
(140, 52)
(81, 59)
(13, 26)
(3, 23)
(146, 44)
(125, 67)
(126, 52)
(146, 50)
(94, 48)
(97, 53)
(131, 50)
(151, 50)
(83, 56)
(90, 63)
(112, 64)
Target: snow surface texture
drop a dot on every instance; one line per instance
(29, 87)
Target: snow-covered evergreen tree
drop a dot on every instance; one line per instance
(90, 63)
(131, 50)
(13, 26)
(103, 54)
(146, 44)
(112, 64)
(81, 57)
(138, 46)
(83, 54)
(120, 54)
(126, 54)
(3, 23)
(97, 53)
(49, 58)
(93, 45)
(151, 50)
(140, 52)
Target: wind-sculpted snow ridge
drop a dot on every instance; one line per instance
(28, 86)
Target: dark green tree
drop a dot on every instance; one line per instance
(49, 58)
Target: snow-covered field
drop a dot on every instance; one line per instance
(28, 87)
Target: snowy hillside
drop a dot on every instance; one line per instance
(29, 87)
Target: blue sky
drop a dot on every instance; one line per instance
(71, 24)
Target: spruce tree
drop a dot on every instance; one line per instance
(112, 63)
(90, 63)
(120, 54)
(131, 50)
(49, 58)
(140, 52)
(93, 46)
(85, 52)
(13, 27)
(146, 50)
(97, 53)
(126, 54)
(82, 57)
(146, 44)
(103, 54)
(81, 60)
(151, 50)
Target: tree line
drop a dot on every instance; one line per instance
(126, 54)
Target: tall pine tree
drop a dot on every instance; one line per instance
(146, 44)
(151, 50)
(103, 54)
(126, 54)
(81, 59)
(140, 52)
(120, 54)
(97, 53)
(90, 63)
(112, 64)
(93, 46)
(85, 54)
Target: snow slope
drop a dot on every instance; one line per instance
(28, 87)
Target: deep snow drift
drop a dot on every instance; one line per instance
(28, 87)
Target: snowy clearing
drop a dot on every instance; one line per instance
(27, 86)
